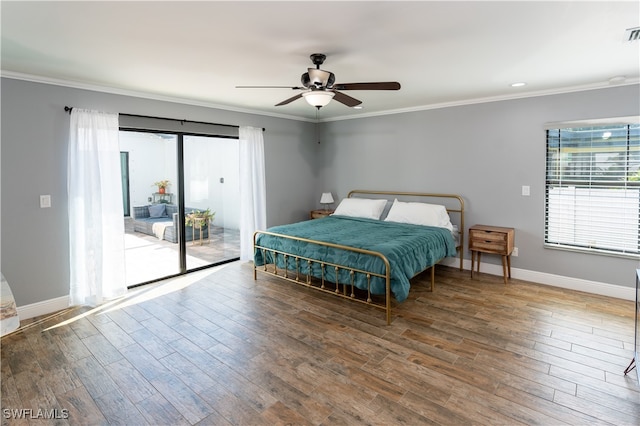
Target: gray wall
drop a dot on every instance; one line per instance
(35, 253)
(484, 152)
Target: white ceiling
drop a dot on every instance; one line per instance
(442, 53)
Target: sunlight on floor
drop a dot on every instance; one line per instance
(145, 293)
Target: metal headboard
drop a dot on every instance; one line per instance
(458, 208)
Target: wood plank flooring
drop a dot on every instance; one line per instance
(220, 348)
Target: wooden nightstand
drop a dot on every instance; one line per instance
(317, 214)
(494, 240)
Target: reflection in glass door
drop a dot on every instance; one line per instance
(211, 200)
(151, 235)
(124, 175)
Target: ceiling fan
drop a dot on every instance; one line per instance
(319, 86)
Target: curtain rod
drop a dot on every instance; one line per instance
(69, 109)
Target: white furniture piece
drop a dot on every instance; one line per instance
(9, 320)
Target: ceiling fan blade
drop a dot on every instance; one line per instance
(382, 85)
(346, 99)
(270, 87)
(291, 99)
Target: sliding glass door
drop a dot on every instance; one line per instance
(190, 223)
(150, 234)
(211, 189)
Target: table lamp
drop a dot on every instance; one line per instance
(326, 199)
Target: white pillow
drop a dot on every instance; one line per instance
(361, 207)
(420, 214)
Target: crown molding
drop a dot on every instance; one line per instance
(522, 95)
(144, 95)
(193, 102)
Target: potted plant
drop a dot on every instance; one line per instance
(162, 185)
(199, 218)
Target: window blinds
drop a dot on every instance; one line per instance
(592, 199)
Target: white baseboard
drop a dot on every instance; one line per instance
(603, 289)
(47, 307)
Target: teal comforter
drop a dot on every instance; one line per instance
(409, 249)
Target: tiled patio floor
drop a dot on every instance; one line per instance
(148, 258)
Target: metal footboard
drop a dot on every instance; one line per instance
(345, 290)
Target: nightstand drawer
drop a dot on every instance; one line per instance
(493, 246)
(487, 236)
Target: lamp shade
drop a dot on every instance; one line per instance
(326, 198)
(318, 98)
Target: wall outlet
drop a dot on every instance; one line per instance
(514, 253)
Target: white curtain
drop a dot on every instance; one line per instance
(96, 225)
(253, 210)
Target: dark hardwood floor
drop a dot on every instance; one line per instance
(221, 348)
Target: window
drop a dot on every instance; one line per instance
(592, 195)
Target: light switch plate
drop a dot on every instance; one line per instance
(45, 201)
(526, 190)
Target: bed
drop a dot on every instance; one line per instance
(369, 248)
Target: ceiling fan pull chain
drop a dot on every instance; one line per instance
(317, 130)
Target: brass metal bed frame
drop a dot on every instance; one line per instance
(342, 289)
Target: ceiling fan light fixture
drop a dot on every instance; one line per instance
(318, 98)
